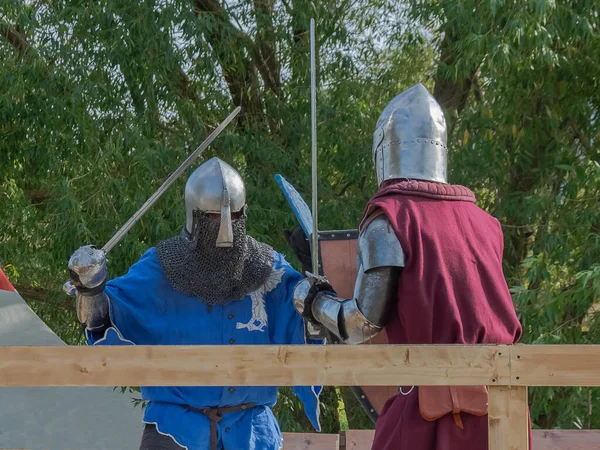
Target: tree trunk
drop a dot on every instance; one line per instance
(15, 38)
(233, 49)
(450, 93)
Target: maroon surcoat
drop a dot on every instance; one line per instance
(452, 291)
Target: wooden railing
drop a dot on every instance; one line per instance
(507, 370)
(363, 440)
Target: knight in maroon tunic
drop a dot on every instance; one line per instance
(430, 271)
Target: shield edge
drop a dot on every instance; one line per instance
(304, 217)
(299, 208)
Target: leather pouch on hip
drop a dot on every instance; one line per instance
(437, 401)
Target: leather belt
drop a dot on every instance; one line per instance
(215, 415)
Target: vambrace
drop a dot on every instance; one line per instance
(92, 311)
(361, 318)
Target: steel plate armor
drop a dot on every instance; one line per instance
(380, 260)
(87, 268)
(410, 138)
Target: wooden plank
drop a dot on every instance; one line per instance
(566, 439)
(508, 418)
(363, 440)
(253, 365)
(542, 439)
(555, 365)
(359, 439)
(310, 441)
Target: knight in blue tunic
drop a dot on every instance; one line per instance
(210, 285)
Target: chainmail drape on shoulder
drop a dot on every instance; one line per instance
(216, 275)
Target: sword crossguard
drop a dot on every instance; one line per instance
(315, 278)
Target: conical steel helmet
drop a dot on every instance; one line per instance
(215, 188)
(410, 138)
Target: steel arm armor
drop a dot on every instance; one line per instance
(87, 269)
(92, 311)
(361, 318)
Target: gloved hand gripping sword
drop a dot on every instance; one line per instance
(87, 266)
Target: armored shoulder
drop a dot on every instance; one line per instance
(378, 245)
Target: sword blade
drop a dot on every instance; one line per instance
(313, 98)
(161, 190)
(68, 287)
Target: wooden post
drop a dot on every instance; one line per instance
(508, 418)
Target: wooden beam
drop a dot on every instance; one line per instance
(311, 441)
(359, 439)
(566, 439)
(254, 365)
(555, 365)
(363, 440)
(372, 365)
(508, 418)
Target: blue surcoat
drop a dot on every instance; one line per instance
(146, 310)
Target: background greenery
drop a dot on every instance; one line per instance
(101, 100)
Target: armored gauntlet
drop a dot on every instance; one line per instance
(87, 270)
(360, 318)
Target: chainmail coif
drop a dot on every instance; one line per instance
(216, 275)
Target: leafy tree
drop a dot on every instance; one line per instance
(101, 101)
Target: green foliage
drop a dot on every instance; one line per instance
(100, 101)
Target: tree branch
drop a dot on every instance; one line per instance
(15, 38)
(301, 41)
(451, 94)
(37, 294)
(182, 82)
(37, 196)
(268, 65)
(478, 90)
(239, 71)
